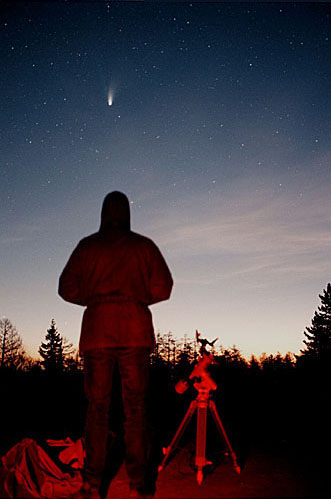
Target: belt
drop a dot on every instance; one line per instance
(96, 300)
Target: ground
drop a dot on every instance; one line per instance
(264, 474)
(267, 472)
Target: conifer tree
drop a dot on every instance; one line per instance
(184, 357)
(318, 342)
(158, 354)
(254, 365)
(54, 351)
(170, 349)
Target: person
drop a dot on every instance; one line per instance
(116, 274)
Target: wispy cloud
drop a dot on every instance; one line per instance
(263, 233)
(11, 240)
(19, 234)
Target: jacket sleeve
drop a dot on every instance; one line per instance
(160, 281)
(70, 283)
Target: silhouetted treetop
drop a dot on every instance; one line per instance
(318, 342)
(56, 352)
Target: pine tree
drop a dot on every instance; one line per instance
(12, 352)
(158, 354)
(55, 350)
(254, 366)
(184, 357)
(318, 342)
(170, 349)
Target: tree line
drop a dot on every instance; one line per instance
(57, 354)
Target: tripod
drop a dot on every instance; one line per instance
(201, 403)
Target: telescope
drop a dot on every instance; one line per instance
(204, 384)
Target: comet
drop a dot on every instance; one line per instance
(110, 97)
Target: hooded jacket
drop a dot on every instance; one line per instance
(116, 274)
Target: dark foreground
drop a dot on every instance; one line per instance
(275, 417)
(278, 472)
(266, 473)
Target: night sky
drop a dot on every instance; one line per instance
(219, 133)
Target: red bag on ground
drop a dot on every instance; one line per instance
(30, 472)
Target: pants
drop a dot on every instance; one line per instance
(133, 365)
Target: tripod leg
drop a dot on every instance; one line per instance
(178, 434)
(220, 427)
(200, 454)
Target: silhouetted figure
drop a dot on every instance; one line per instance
(116, 274)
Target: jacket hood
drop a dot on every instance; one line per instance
(115, 213)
